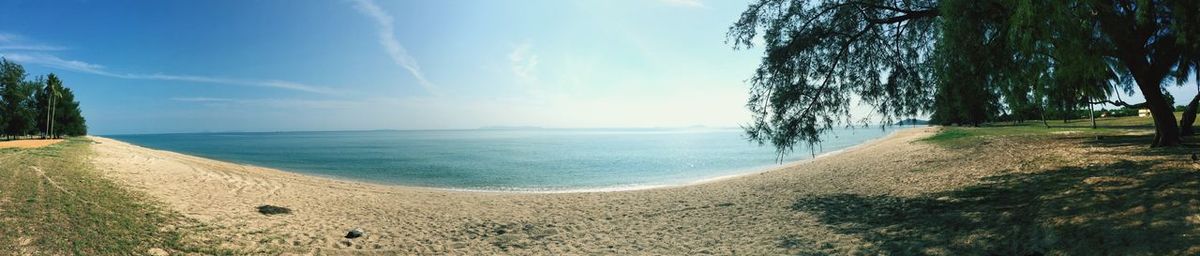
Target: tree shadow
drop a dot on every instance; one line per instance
(1190, 143)
(1121, 208)
(1121, 140)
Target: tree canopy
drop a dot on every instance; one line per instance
(39, 106)
(962, 62)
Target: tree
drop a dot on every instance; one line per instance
(14, 93)
(965, 56)
(29, 105)
(1189, 38)
(42, 105)
(1145, 38)
(818, 55)
(54, 93)
(44, 101)
(68, 118)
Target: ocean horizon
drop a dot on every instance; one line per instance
(519, 160)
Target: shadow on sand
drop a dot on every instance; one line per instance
(1123, 208)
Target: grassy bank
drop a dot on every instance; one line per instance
(53, 203)
(1063, 190)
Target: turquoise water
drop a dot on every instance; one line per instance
(510, 160)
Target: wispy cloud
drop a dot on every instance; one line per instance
(290, 104)
(55, 62)
(201, 99)
(14, 42)
(387, 38)
(24, 50)
(686, 3)
(80, 66)
(524, 63)
(30, 47)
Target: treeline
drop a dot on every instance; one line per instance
(40, 107)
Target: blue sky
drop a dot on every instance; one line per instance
(275, 65)
(175, 66)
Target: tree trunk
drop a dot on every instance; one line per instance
(49, 97)
(1189, 117)
(1043, 114)
(1092, 113)
(52, 107)
(1166, 130)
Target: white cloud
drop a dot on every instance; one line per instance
(686, 3)
(55, 62)
(524, 63)
(80, 66)
(14, 42)
(387, 38)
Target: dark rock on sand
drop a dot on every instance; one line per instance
(267, 209)
(355, 233)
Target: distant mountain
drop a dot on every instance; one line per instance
(912, 121)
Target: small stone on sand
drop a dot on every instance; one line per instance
(355, 233)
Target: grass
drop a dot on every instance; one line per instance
(1079, 191)
(53, 203)
(966, 137)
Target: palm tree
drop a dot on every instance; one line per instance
(52, 84)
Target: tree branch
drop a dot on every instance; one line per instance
(906, 17)
(1119, 103)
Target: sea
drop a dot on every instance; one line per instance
(522, 160)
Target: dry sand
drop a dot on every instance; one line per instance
(750, 214)
(28, 143)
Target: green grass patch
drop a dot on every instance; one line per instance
(964, 137)
(53, 203)
(949, 135)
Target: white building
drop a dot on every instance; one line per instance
(1143, 112)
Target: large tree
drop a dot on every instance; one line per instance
(1146, 39)
(15, 95)
(962, 60)
(820, 54)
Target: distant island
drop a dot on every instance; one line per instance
(912, 121)
(502, 127)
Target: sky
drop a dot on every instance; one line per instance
(141, 66)
(274, 65)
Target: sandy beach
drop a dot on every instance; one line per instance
(751, 214)
(28, 143)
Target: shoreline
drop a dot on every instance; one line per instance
(743, 214)
(619, 188)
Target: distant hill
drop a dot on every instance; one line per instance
(912, 121)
